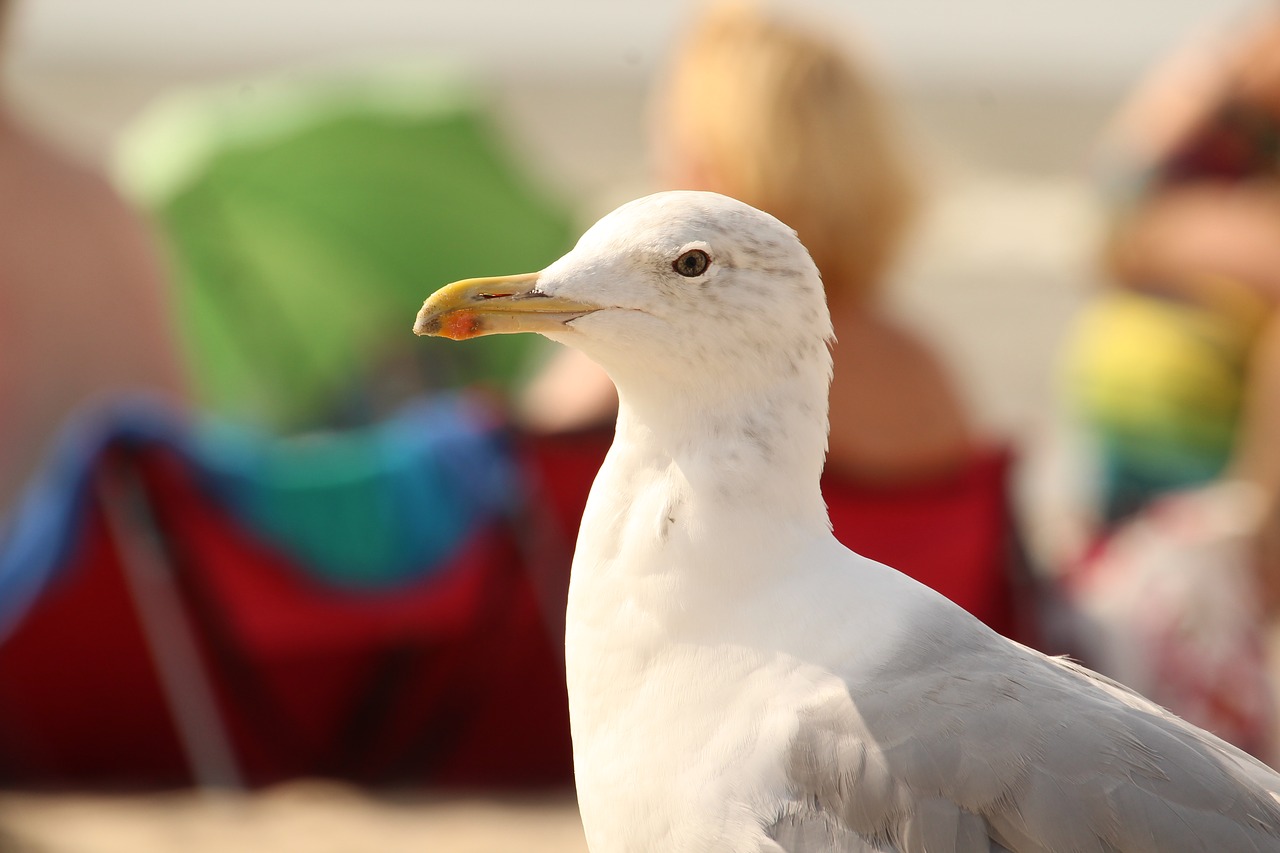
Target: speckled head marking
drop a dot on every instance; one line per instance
(756, 304)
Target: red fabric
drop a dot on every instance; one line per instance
(404, 685)
(560, 469)
(953, 534)
(79, 700)
(450, 681)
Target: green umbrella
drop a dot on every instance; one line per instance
(306, 222)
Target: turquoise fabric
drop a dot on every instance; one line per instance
(367, 507)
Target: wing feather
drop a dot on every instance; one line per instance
(974, 743)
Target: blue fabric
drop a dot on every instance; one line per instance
(383, 505)
(40, 534)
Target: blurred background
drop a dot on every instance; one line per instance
(302, 510)
(1006, 101)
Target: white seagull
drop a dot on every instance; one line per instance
(741, 681)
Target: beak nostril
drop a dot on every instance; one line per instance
(487, 295)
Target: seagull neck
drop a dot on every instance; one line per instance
(765, 447)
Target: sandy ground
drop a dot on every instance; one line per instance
(301, 817)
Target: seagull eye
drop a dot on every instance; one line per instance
(692, 263)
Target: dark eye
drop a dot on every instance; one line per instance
(692, 263)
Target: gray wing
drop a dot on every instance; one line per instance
(968, 742)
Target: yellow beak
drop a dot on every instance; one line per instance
(495, 306)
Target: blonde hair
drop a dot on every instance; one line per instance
(786, 121)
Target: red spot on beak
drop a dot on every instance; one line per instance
(461, 325)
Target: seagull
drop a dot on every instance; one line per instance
(738, 679)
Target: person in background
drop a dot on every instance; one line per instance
(1192, 167)
(1172, 377)
(84, 307)
(784, 119)
(788, 120)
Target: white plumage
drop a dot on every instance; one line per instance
(740, 681)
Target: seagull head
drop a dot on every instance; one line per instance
(677, 290)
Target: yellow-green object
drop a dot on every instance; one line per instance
(307, 220)
(1159, 381)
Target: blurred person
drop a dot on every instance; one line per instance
(1193, 165)
(787, 120)
(84, 308)
(1173, 380)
